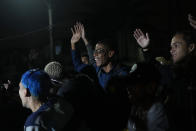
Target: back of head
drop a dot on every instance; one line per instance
(54, 70)
(37, 82)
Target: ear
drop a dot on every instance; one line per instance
(27, 92)
(111, 53)
(191, 47)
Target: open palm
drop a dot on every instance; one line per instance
(76, 34)
(142, 40)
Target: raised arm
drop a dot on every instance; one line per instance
(88, 46)
(142, 40)
(76, 35)
(192, 21)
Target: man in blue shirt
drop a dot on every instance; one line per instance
(104, 54)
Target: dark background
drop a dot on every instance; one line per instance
(24, 25)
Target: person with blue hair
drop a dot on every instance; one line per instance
(37, 83)
(48, 113)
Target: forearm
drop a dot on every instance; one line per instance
(85, 41)
(73, 46)
(90, 53)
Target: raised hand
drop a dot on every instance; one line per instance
(192, 21)
(142, 40)
(76, 34)
(82, 31)
(83, 34)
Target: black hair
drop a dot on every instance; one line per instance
(110, 44)
(188, 36)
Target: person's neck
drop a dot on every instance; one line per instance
(35, 105)
(107, 68)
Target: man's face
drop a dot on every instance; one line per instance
(22, 94)
(101, 54)
(179, 48)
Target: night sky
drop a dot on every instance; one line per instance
(26, 21)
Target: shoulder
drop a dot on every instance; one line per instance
(33, 120)
(36, 117)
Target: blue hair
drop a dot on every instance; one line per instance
(37, 81)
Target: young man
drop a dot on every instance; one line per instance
(182, 85)
(48, 114)
(103, 55)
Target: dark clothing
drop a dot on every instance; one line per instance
(51, 116)
(179, 89)
(154, 119)
(181, 104)
(87, 102)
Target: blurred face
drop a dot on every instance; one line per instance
(101, 54)
(179, 48)
(84, 60)
(22, 94)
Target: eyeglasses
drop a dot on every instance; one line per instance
(100, 51)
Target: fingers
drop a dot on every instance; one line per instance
(191, 19)
(193, 25)
(135, 36)
(81, 27)
(138, 33)
(78, 28)
(72, 31)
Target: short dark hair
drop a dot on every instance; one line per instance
(110, 44)
(84, 54)
(187, 36)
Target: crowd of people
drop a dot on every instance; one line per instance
(103, 94)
